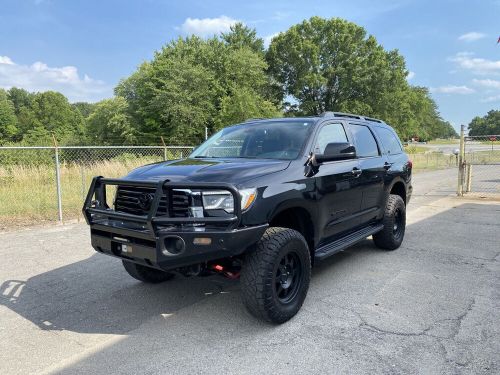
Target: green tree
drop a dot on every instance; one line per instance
(188, 84)
(109, 123)
(331, 65)
(244, 104)
(51, 111)
(486, 125)
(241, 36)
(84, 108)
(8, 120)
(20, 98)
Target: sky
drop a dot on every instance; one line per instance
(84, 48)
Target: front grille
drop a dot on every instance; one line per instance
(138, 200)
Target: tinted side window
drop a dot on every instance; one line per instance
(390, 141)
(328, 134)
(365, 142)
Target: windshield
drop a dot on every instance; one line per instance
(266, 140)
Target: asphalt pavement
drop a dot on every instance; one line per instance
(430, 307)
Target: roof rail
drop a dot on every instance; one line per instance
(254, 119)
(373, 119)
(350, 115)
(340, 114)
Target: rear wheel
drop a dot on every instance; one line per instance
(275, 275)
(391, 237)
(146, 274)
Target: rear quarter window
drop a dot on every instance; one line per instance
(366, 145)
(390, 141)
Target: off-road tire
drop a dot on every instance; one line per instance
(264, 277)
(391, 237)
(146, 274)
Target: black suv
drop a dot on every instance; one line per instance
(261, 201)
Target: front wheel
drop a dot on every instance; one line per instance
(275, 275)
(146, 274)
(391, 237)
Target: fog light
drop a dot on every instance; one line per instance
(173, 245)
(202, 241)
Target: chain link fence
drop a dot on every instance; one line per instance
(44, 184)
(481, 165)
(433, 160)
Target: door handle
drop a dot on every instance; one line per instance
(356, 172)
(387, 166)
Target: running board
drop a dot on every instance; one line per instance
(343, 243)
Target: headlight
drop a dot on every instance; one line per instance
(223, 200)
(218, 200)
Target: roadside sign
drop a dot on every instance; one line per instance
(493, 139)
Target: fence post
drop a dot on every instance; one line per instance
(58, 180)
(461, 157)
(469, 178)
(165, 156)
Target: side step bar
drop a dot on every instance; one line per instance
(342, 243)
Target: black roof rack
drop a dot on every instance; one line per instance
(341, 114)
(350, 115)
(373, 119)
(254, 119)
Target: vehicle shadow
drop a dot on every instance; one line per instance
(96, 295)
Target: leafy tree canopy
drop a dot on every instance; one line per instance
(241, 36)
(486, 125)
(8, 119)
(190, 83)
(110, 123)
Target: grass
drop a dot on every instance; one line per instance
(444, 141)
(28, 193)
(431, 161)
(413, 149)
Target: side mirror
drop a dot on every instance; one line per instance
(336, 151)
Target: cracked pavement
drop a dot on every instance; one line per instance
(430, 307)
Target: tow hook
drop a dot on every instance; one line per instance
(221, 270)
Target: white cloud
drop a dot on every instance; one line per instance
(489, 83)
(490, 99)
(6, 60)
(467, 61)
(40, 77)
(206, 27)
(451, 89)
(410, 75)
(471, 37)
(268, 38)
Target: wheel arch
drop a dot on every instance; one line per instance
(398, 187)
(299, 218)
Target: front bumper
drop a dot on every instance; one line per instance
(147, 239)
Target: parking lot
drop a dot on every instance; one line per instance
(430, 307)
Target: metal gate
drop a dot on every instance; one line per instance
(479, 172)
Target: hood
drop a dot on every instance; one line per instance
(209, 170)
